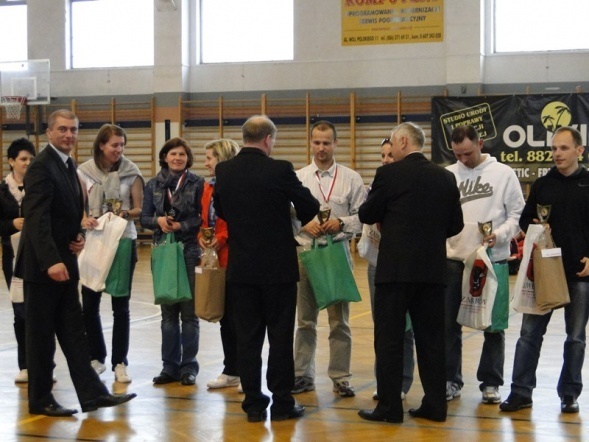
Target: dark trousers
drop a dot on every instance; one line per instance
(229, 341)
(53, 310)
(259, 309)
(425, 303)
(121, 321)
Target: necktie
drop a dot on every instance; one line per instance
(73, 175)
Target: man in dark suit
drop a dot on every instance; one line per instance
(418, 206)
(255, 195)
(47, 261)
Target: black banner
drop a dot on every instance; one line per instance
(517, 130)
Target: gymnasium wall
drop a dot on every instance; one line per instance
(382, 78)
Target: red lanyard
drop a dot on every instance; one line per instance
(326, 198)
(180, 181)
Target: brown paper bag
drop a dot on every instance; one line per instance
(549, 278)
(210, 293)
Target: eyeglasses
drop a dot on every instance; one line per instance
(385, 141)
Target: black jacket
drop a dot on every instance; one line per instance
(569, 216)
(418, 206)
(253, 194)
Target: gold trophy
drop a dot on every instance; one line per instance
(209, 258)
(112, 205)
(545, 240)
(543, 212)
(486, 228)
(324, 214)
(208, 233)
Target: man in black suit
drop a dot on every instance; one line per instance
(418, 206)
(47, 261)
(255, 195)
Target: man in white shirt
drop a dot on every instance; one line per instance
(340, 189)
(489, 191)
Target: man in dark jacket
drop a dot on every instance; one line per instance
(255, 195)
(418, 206)
(566, 190)
(47, 261)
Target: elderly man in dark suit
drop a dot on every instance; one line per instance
(255, 195)
(418, 206)
(47, 262)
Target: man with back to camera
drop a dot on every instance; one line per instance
(489, 191)
(254, 195)
(340, 189)
(566, 189)
(47, 262)
(417, 205)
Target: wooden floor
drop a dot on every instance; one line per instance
(178, 413)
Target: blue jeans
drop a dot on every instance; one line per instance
(490, 370)
(527, 350)
(408, 358)
(180, 344)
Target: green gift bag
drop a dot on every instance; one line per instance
(168, 270)
(330, 274)
(118, 280)
(500, 312)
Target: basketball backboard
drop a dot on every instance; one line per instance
(27, 78)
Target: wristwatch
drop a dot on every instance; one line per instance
(125, 214)
(341, 224)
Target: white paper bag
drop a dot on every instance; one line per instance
(479, 287)
(16, 290)
(99, 251)
(16, 284)
(368, 244)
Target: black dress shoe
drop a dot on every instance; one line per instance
(257, 415)
(53, 410)
(107, 400)
(372, 415)
(188, 379)
(293, 413)
(515, 402)
(164, 378)
(420, 412)
(569, 404)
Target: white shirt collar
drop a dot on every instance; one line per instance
(330, 171)
(63, 156)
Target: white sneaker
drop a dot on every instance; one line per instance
(98, 366)
(452, 390)
(22, 377)
(121, 374)
(239, 388)
(223, 381)
(491, 395)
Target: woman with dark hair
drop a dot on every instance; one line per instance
(113, 184)
(20, 154)
(172, 203)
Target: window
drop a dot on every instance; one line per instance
(540, 25)
(112, 33)
(13, 22)
(242, 31)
